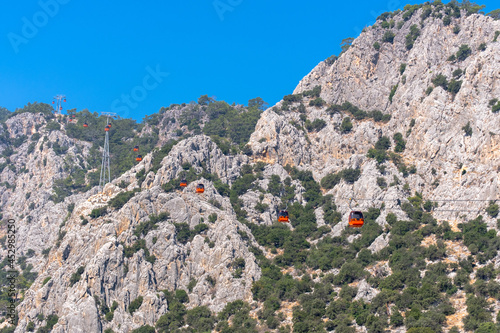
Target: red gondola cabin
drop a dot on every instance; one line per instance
(136, 148)
(283, 216)
(85, 125)
(200, 188)
(109, 125)
(138, 158)
(183, 183)
(356, 219)
(106, 128)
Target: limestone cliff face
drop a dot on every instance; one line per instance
(110, 276)
(431, 121)
(200, 151)
(28, 178)
(98, 246)
(83, 263)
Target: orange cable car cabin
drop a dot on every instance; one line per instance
(106, 128)
(183, 183)
(283, 216)
(200, 188)
(85, 125)
(136, 148)
(138, 158)
(356, 219)
(109, 125)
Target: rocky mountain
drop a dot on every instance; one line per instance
(402, 126)
(400, 83)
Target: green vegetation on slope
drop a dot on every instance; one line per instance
(425, 299)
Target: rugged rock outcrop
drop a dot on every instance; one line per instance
(28, 179)
(200, 152)
(431, 122)
(91, 250)
(110, 276)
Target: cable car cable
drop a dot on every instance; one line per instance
(436, 200)
(434, 210)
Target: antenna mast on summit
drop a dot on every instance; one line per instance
(105, 167)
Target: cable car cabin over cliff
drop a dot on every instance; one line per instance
(283, 216)
(200, 188)
(356, 219)
(138, 158)
(183, 183)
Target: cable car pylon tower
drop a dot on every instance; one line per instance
(58, 100)
(105, 168)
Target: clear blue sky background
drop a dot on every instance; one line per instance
(97, 51)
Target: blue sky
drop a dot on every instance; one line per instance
(134, 57)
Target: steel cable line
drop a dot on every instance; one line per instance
(435, 200)
(432, 210)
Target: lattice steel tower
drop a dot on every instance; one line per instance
(57, 101)
(105, 168)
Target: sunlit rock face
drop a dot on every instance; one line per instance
(84, 263)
